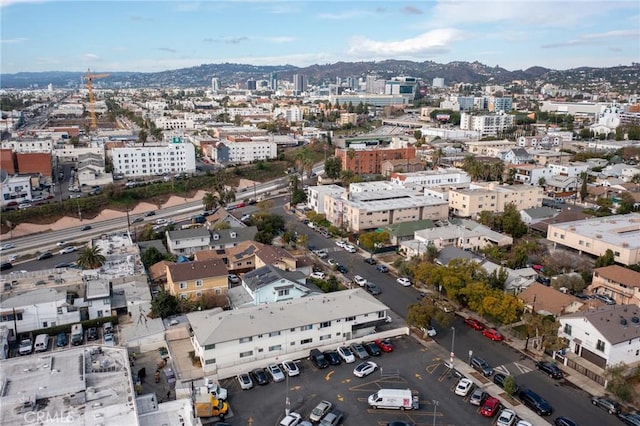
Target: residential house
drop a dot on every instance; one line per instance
(432, 178)
(404, 231)
(225, 238)
(188, 241)
(517, 279)
(621, 284)
(317, 194)
(545, 300)
(97, 298)
(537, 214)
(618, 233)
(531, 174)
(37, 309)
(449, 253)
(517, 156)
(233, 341)
(603, 337)
(197, 278)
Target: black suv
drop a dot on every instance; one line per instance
(370, 261)
(499, 379)
(482, 366)
(534, 401)
(612, 407)
(372, 349)
(333, 358)
(318, 358)
(551, 369)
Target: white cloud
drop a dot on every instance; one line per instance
(14, 40)
(432, 42)
(91, 57)
(594, 38)
(5, 3)
(349, 14)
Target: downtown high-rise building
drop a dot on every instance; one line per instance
(299, 84)
(251, 84)
(273, 81)
(215, 84)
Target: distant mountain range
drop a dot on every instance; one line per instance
(466, 72)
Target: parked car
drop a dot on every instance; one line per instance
(607, 404)
(341, 243)
(370, 261)
(463, 387)
(490, 407)
(291, 368)
(564, 421)
(61, 340)
(342, 269)
(605, 299)
(630, 419)
(359, 351)
(382, 268)
(318, 358)
(359, 280)
(372, 349)
(4, 266)
(365, 368)
(493, 334)
(350, 248)
(320, 411)
(372, 289)
(506, 417)
(551, 369)
(318, 275)
(333, 358)
(499, 379)
(478, 397)
(405, 282)
(534, 401)
(346, 354)
(332, 419)
(291, 419)
(260, 377)
(244, 379)
(474, 323)
(384, 344)
(276, 373)
(482, 366)
(92, 333)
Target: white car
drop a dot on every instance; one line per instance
(464, 387)
(341, 243)
(350, 248)
(524, 423)
(506, 417)
(62, 243)
(406, 282)
(320, 411)
(291, 419)
(346, 354)
(430, 331)
(6, 246)
(365, 368)
(332, 262)
(12, 258)
(245, 381)
(69, 249)
(291, 368)
(161, 221)
(359, 280)
(318, 275)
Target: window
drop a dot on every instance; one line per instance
(246, 339)
(600, 346)
(350, 319)
(210, 361)
(325, 324)
(183, 286)
(198, 283)
(325, 337)
(44, 324)
(275, 348)
(305, 341)
(274, 333)
(567, 329)
(209, 347)
(284, 292)
(246, 354)
(59, 311)
(306, 327)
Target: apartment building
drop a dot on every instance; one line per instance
(28, 145)
(15, 190)
(432, 178)
(317, 194)
(488, 147)
(168, 123)
(571, 169)
(154, 160)
(242, 151)
(619, 233)
(229, 342)
(37, 309)
(621, 284)
(369, 160)
(377, 204)
(530, 173)
(195, 279)
(493, 197)
(487, 125)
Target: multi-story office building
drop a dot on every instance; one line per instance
(299, 84)
(154, 160)
(243, 151)
(273, 81)
(251, 84)
(403, 86)
(438, 83)
(501, 104)
(487, 125)
(215, 84)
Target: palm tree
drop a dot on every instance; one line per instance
(91, 258)
(210, 201)
(436, 156)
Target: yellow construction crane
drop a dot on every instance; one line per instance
(89, 85)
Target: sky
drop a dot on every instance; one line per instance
(149, 36)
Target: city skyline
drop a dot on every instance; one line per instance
(149, 36)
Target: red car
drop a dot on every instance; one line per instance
(492, 334)
(490, 407)
(384, 344)
(474, 323)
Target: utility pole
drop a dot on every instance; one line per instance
(453, 340)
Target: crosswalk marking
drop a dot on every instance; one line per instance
(515, 366)
(522, 368)
(502, 369)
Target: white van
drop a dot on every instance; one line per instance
(42, 343)
(395, 399)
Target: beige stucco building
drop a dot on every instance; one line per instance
(493, 197)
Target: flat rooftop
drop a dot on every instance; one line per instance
(618, 230)
(88, 385)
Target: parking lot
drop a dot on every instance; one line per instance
(411, 365)
(57, 343)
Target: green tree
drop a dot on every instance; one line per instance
(583, 187)
(542, 182)
(512, 224)
(618, 383)
(151, 256)
(210, 201)
(373, 240)
(421, 314)
(510, 386)
(542, 327)
(165, 304)
(626, 203)
(606, 259)
(91, 258)
(498, 278)
(332, 167)
(143, 136)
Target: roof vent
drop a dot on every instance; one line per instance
(635, 320)
(623, 321)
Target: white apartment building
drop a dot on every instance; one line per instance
(37, 309)
(15, 190)
(493, 197)
(568, 169)
(168, 123)
(317, 194)
(242, 152)
(28, 145)
(531, 174)
(291, 114)
(431, 178)
(154, 160)
(228, 342)
(487, 125)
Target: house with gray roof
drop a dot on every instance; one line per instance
(37, 309)
(225, 238)
(232, 341)
(517, 156)
(270, 284)
(537, 214)
(516, 281)
(189, 241)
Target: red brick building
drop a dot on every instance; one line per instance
(34, 163)
(369, 161)
(7, 161)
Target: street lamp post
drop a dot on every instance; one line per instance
(287, 401)
(435, 409)
(453, 340)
